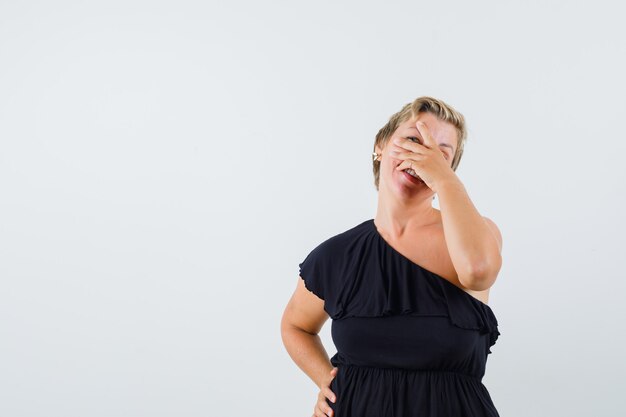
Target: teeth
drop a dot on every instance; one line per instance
(411, 172)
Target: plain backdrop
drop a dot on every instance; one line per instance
(166, 165)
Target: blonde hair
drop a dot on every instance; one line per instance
(441, 110)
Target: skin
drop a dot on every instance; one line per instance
(456, 242)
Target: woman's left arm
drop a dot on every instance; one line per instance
(474, 241)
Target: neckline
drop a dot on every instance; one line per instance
(375, 229)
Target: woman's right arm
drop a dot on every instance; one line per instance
(301, 323)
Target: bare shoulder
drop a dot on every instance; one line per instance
(494, 230)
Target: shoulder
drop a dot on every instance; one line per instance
(494, 229)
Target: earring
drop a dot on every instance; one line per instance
(374, 156)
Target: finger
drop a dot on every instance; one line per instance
(408, 163)
(326, 409)
(328, 393)
(405, 143)
(405, 155)
(429, 142)
(321, 410)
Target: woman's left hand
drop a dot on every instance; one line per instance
(427, 160)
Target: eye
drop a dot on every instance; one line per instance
(413, 139)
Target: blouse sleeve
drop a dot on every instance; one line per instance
(315, 271)
(322, 272)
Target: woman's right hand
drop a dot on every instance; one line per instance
(322, 409)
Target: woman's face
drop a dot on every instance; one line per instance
(444, 134)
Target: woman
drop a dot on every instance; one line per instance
(407, 290)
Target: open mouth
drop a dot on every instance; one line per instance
(412, 176)
(411, 173)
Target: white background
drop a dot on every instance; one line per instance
(165, 166)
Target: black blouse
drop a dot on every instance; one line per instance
(409, 342)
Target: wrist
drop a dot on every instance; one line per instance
(452, 182)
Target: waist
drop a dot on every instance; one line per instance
(382, 371)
